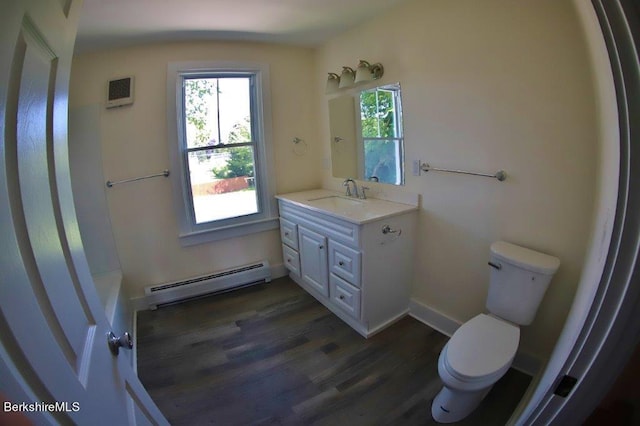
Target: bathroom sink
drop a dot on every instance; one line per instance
(351, 209)
(335, 202)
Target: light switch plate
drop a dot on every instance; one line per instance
(416, 167)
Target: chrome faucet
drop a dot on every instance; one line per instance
(363, 188)
(355, 188)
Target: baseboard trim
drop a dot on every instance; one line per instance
(387, 323)
(527, 363)
(433, 318)
(524, 362)
(279, 271)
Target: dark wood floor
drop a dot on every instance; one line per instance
(271, 354)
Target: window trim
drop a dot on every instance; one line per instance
(396, 91)
(191, 233)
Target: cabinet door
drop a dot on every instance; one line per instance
(313, 260)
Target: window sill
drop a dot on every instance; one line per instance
(233, 231)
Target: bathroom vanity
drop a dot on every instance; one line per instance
(354, 256)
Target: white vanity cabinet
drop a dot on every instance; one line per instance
(360, 273)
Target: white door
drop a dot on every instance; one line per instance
(53, 345)
(313, 260)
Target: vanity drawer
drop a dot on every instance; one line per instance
(344, 295)
(291, 259)
(289, 233)
(344, 262)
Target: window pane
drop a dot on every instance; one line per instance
(383, 159)
(201, 124)
(378, 115)
(223, 183)
(235, 110)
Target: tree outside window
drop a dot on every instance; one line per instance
(220, 148)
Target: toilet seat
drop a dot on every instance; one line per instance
(483, 348)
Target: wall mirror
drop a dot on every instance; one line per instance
(367, 141)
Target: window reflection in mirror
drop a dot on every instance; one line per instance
(381, 121)
(367, 142)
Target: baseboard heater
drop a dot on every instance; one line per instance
(218, 281)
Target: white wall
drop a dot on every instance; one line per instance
(606, 194)
(488, 85)
(135, 143)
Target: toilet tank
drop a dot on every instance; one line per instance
(519, 279)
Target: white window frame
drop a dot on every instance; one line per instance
(399, 130)
(190, 232)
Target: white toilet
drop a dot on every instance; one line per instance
(481, 351)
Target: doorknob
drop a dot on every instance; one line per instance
(115, 342)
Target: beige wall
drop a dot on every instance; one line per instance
(488, 85)
(135, 143)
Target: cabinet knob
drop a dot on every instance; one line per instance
(286, 234)
(321, 247)
(341, 263)
(289, 260)
(341, 297)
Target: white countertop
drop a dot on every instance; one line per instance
(350, 209)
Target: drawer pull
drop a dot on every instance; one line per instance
(321, 247)
(289, 260)
(286, 234)
(341, 297)
(341, 263)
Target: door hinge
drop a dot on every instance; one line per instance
(565, 386)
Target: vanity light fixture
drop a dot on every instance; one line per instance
(333, 81)
(347, 77)
(368, 72)
(350, 77)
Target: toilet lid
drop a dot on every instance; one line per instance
(482, 346)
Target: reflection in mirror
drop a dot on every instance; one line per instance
(344, 157)
(381, 121)
(366, 135)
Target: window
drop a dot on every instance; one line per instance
(381, 121)
(219, 132)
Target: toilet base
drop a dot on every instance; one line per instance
(452, 405)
